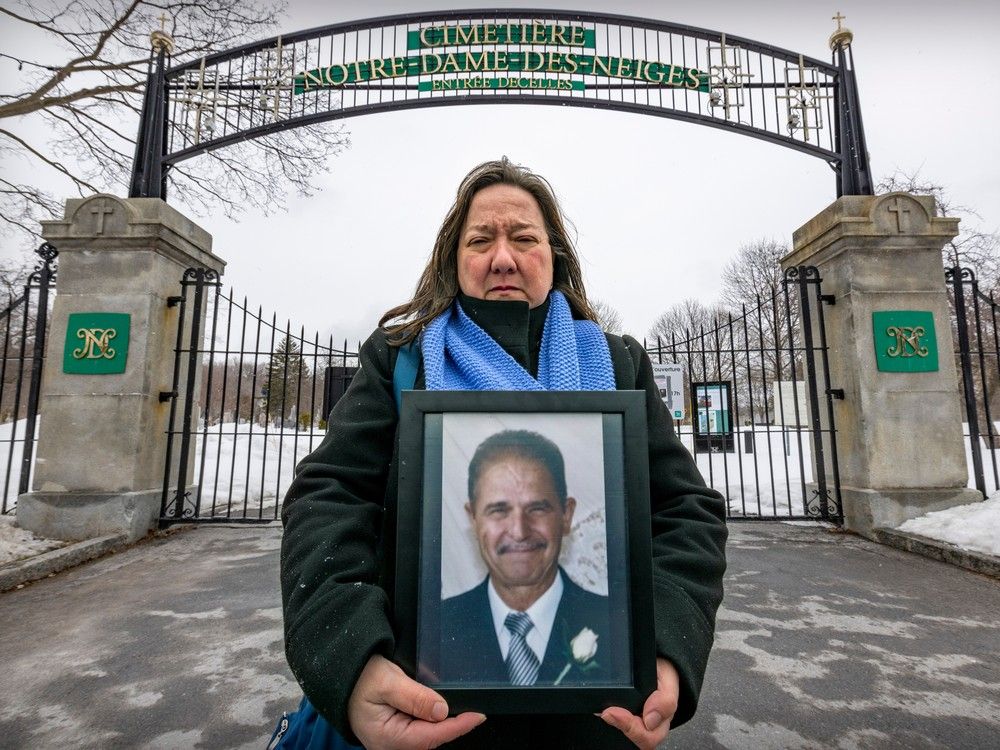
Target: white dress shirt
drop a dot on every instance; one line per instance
(542, 614)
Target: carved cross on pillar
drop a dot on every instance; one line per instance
(100, 212)
(899, 211)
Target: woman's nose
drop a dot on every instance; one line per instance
(503, 257)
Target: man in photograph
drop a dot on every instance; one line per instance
(527, 623)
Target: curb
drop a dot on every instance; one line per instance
(33, 568)
(935, 549)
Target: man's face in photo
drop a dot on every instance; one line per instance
(519, 521)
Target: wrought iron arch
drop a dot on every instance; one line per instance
(503, 56)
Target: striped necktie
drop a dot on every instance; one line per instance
(522, 664)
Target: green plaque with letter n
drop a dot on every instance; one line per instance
(905, 341)
(96, 343)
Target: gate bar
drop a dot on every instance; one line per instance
(44, 276)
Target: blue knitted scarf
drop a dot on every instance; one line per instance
(461, 356)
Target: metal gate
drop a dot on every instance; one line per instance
(250, 396)
(249, 399)
(25, 325)
(978, 343)
(758, 410)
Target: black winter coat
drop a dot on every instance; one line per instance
(338, 547)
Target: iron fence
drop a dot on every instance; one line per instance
(24, 323)
(249, 399)
(974, 329)
(758, 414)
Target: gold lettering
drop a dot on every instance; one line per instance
(425, 39)
(577, 37)
(566, 85)
(624, 67)
(451, 64)
(572, 63)
(469, 35)
(471, 63)
(673, 79)
(537, 33)
(308, 76)
(357, 70)
(604, 63)
(656, 77)
(490, 34)
(558, 35)
(532, 55)
(436, 85)
(907, 341)
(554, 63)
(96, 343)
(398, 66)
(378, 69)
(328, 75)
(500, 61)
(693, 78)
(427, 59)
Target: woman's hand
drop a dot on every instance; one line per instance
(389, 711)
(651, 728)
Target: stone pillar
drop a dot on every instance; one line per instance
(899, 428)
(102, 437)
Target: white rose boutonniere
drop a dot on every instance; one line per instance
(582, 650)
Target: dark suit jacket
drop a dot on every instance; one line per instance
(469, 651)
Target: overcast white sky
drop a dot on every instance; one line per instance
(659, 205)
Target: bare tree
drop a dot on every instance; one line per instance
(974, 247)
(684, 320)
(608, 317)
(83, 88)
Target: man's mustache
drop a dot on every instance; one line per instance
(527, 546)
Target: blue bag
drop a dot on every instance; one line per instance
(307, 730)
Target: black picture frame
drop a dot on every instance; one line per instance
(620, 419)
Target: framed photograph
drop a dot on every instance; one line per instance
(523, 563)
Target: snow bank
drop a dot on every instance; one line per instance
(16, 543)
(975, 526)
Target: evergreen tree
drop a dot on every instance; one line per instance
(286, 370)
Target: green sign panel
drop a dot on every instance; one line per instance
(905, 341)
(96, 343)
(505, 82)
(501, 33)
(502, 61)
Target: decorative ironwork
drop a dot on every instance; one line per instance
(977, 325)
(499, 56)
(805, 100)
(727, 78)
(233, 440)
(25, 327)
(773, 452)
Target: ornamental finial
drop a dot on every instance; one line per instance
(160, 38)
(843, 36)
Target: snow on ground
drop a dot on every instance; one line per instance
(11, 446)
(16, 543)
(246, 472)
(975, 526)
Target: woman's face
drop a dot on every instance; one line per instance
(503, 248)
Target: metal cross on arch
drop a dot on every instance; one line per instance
(504, 56)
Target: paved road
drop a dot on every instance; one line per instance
(825, 641)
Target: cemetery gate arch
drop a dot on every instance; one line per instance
(508, 56)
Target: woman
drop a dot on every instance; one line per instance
(500, 306)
